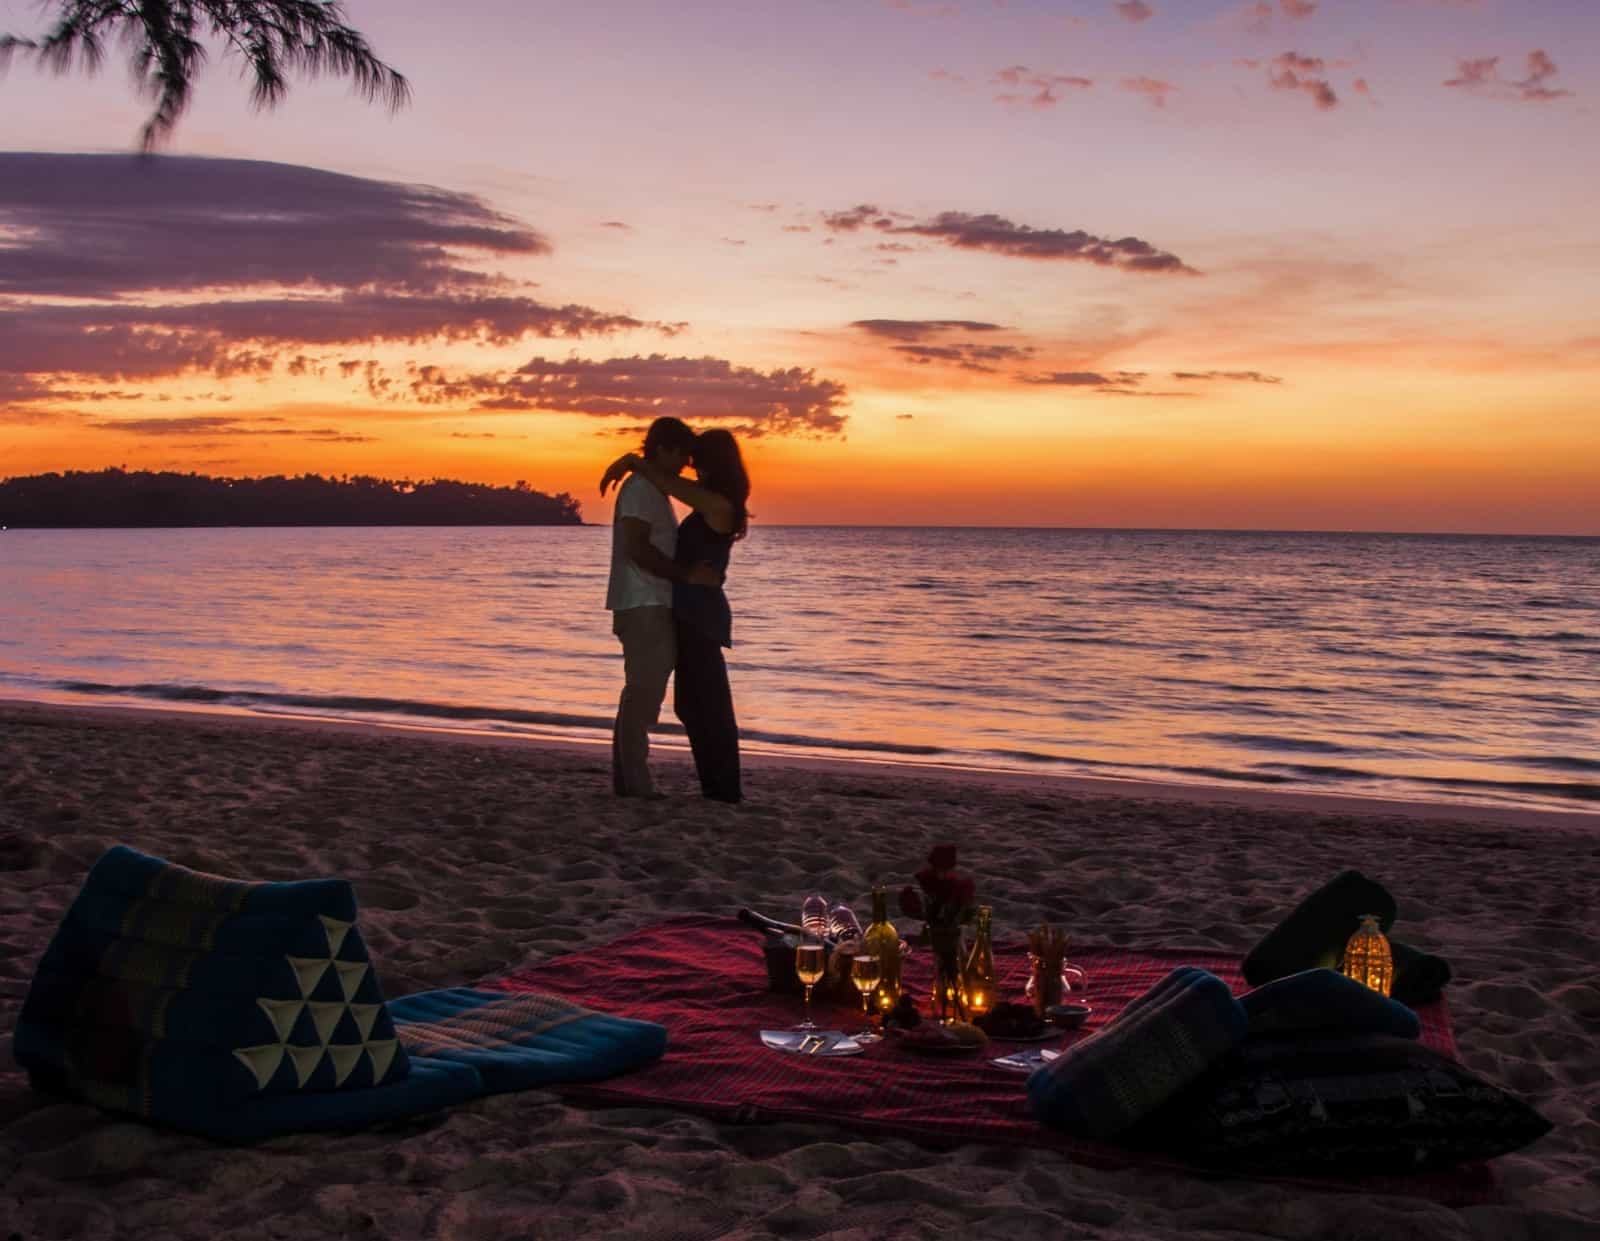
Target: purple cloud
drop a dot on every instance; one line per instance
(1039, 88)
(1482, 76)
(1134, 10)
(1256, 377)
(961, 230)
(106, 226)
(1153, 89)
(122, 267)
(789, 401)
(209, 426)
(1290, 71)
(997, 235)
(967, 355)
(920, 329)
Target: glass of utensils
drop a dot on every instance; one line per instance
(865, 973)
(810, 960)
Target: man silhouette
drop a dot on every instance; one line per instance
(644, 536)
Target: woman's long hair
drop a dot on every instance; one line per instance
(721, 468)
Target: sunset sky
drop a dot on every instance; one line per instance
(1289, 265)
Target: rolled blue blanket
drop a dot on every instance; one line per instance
(1160, 1043)
(1323, 1001)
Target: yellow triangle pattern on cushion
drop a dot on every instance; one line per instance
(336, 931)
(264, 1060)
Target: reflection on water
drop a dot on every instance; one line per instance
(1450, 668)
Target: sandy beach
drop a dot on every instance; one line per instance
(472, 855)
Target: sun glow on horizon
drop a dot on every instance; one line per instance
(967, 267)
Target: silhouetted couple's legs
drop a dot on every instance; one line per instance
(704, 703)
(646, 635)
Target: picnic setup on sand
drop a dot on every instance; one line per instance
(241, 1010)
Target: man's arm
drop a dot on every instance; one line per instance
(636, 545)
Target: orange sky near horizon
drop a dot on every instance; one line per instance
(1221, 266)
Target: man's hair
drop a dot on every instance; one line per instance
(671, 434)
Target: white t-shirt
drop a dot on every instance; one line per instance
(631, 586)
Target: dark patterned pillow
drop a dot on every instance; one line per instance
(1367, 1103)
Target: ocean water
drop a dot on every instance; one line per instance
(1462, 669)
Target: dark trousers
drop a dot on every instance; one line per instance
(704, 703)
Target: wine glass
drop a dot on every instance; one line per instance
(814, 915)
(865, 972)
(810, 960)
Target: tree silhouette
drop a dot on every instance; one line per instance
(118, 498)
(274, 37)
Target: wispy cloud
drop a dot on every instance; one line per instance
(134, 269)
(1290, 71)
(995, 234)
(1254, 377)
(966, 355)
(1153, 89)
(1259, 17)
(212, 426)
(1085, 379)
(1038, 90)
(791, 401)
(1134, 10)
(1482, 77)
(921, 329)
(108, 226)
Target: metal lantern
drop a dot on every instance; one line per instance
(1367, 958)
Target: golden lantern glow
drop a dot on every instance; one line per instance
(978, 977)
(1367, 958)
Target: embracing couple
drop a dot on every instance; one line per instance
(667, 605)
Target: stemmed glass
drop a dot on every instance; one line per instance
(810, 960)
(865, 972)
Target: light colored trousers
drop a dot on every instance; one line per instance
(649, 650)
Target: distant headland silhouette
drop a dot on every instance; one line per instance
(141, 498)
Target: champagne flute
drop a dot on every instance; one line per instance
(865, 973)
(810, 960)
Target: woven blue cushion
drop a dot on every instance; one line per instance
(192, 1000)
(1162, 1041)
(1326, 1001)
(518, 1040)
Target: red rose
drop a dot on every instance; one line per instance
(928, 879)
(943, 857)
(910, 902)
(966, 891)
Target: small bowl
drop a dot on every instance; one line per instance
(1068, 1016)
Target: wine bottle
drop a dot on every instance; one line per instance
(883, 941)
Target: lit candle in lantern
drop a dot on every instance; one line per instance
(1367, 958)
(978, 976)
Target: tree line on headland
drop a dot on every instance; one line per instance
(141, 498)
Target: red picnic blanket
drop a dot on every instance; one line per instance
(703, 977)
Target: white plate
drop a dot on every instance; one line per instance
(1025, 1061)
(812, 1042)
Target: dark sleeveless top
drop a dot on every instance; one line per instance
(704, 607)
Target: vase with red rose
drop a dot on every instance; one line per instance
(946, 901)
